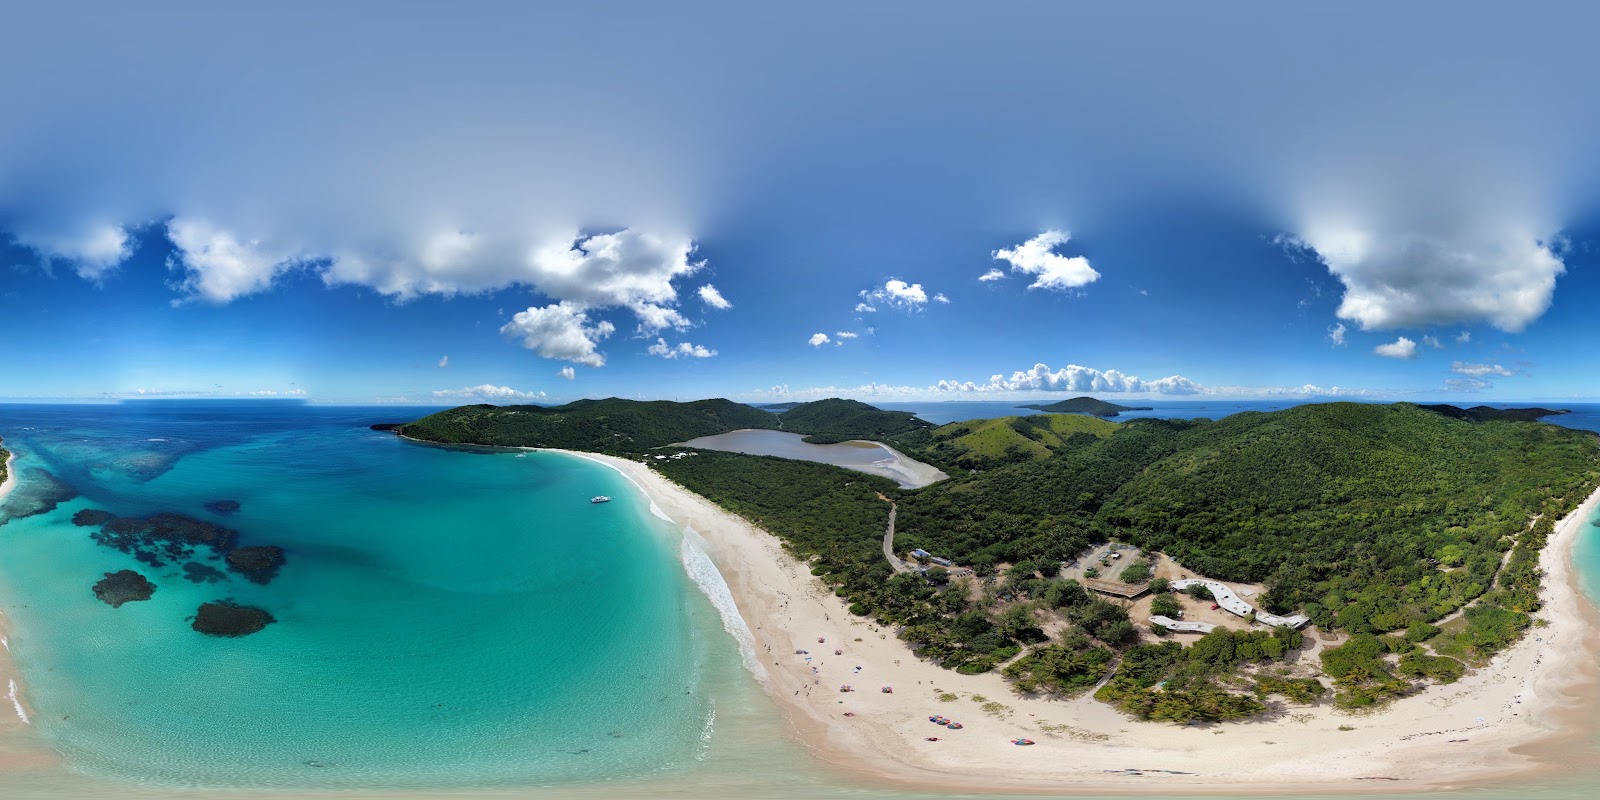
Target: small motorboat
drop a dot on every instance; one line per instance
(1023, 742)
(887, 690)
(931, 739)
(821, 639)
(840, 653)
(846, 688)
(599, 498)
(955, 726)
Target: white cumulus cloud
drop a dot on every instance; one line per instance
(994, 274)
(1336, 335)
(711, 297)
(486, 391)
(1050, 270)
(1469, 271)
(1433, 342)
(1480, 370)
(444, 362)
(895, 293)
(561, 331)
(818, 339)
(1467, 385)
(567, 372)
(1464, 338)
(218, 266)
(94, 251)
(1074, 378)
(1401, 348)
(863, 308)
(679, 350)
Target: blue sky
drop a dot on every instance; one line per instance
(511, 202)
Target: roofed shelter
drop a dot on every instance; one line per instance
(1124, 590)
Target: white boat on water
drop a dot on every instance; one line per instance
(599, 498)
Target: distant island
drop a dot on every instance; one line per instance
(1086, 405)
(1006, 566)
(1487, 414)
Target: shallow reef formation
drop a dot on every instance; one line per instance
(91, 517)
(223, 506)
(39, 492)
(162, 538)
(257, 564)
(169, 539)
(226, 618)
(196, 572)
(123, 586)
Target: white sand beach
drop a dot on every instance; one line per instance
(19, 747)
(1477, 730)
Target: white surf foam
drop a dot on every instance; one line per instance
(17, 704)
(698, 565)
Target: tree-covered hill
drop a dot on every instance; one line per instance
(1366, 516)
(612, 425)
(836, 420)
(1327, 503)
(1491, 414)
(989, 443)
(1085, 405)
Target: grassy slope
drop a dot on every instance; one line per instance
(985, 443)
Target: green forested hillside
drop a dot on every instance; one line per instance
(1365, 516)
(612, 425)
(836, 420)
(1338, 506)
(989, 443)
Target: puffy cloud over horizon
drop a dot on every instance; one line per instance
(1401, 348)
(486, 391)
(1074, 378)
(1050, 270)
(896, 294)
(1480, 370)
(1485, 271)
(680, 350)
(560, 331)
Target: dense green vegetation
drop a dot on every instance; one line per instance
(987, 443)
(1488, 414)
(1086, 405)
(622, 426)
(1168, 682)
(1366, 517)
(612, 425)
(836, 420)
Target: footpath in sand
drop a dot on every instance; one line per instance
(1466, 733)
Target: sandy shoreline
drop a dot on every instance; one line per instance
(20, 747)
(1538, 692)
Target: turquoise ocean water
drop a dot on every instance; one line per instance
(446, 621)
(443, 618)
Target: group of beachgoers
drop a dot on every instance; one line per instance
(937, 719)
